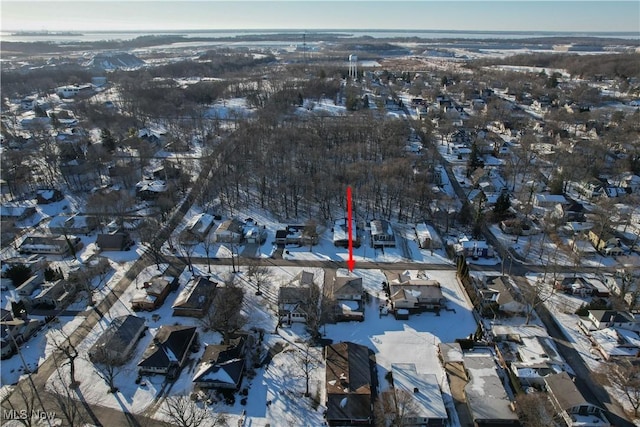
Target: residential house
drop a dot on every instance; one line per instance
(195, 298)
(29, 286)
(605, 242)
(571, 405)
(622, 286)
(382, 234)
(169, 350)
(427, 236)
(548, 201)
(252, 233)
(151, 189)
(350, 384)
(117, 342)
(346, 292)
(613, 319)
(199, 226)
(14, 332)
(496, 296)
(575, 286)
(341, 233)
(115, 241)
(15, 212)
(48, 195)
(427, 405)
(616, 343)
(588, 188)
(486, 397)
(74, 224)
(57, 295)
(153, 293)
(474, 248)
(297, 235)
(229, 231)
(413, 294)
(71, 91)
(223, 366)
(631, 183)
(293, 304)
(49, 244)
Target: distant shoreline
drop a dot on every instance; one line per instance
(45, 33)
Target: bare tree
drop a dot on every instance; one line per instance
(208, 243)
(535, 410)
(225, 314)
(107, 366)
(395, 407)
(27, 402)
(62, 343)
(182, 411)
(188, 245)
(624, 376)
(310, 233)
(67, 406)
(259, 274)
(307, 363)
(536, 294)
(149, 230)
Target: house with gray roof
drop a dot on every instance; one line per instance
(427, 407)
(487, 399)
(571, 405)
(117, 342)
(195, 298)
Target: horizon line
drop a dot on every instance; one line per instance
(379, 30)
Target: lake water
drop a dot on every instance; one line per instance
(425, 34)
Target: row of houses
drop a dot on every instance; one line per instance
(533, 359)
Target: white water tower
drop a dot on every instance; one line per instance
(353, 66)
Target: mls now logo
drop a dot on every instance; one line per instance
(23, 414)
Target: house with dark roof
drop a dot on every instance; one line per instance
(48, 195)
(571, 405)
(613, 319)
(117, 241)
(223, 366)
(350, 384)
(293, 304)
(195, 298)
(117, 342)
(294, 299)
(168, 351)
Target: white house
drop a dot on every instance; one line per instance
(72, 90)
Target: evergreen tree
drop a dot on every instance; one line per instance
(502, 206)
(108, 141)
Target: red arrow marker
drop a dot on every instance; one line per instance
(351, 262)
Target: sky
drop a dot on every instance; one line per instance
(468, 15)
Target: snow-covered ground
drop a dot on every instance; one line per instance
(281, 382)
